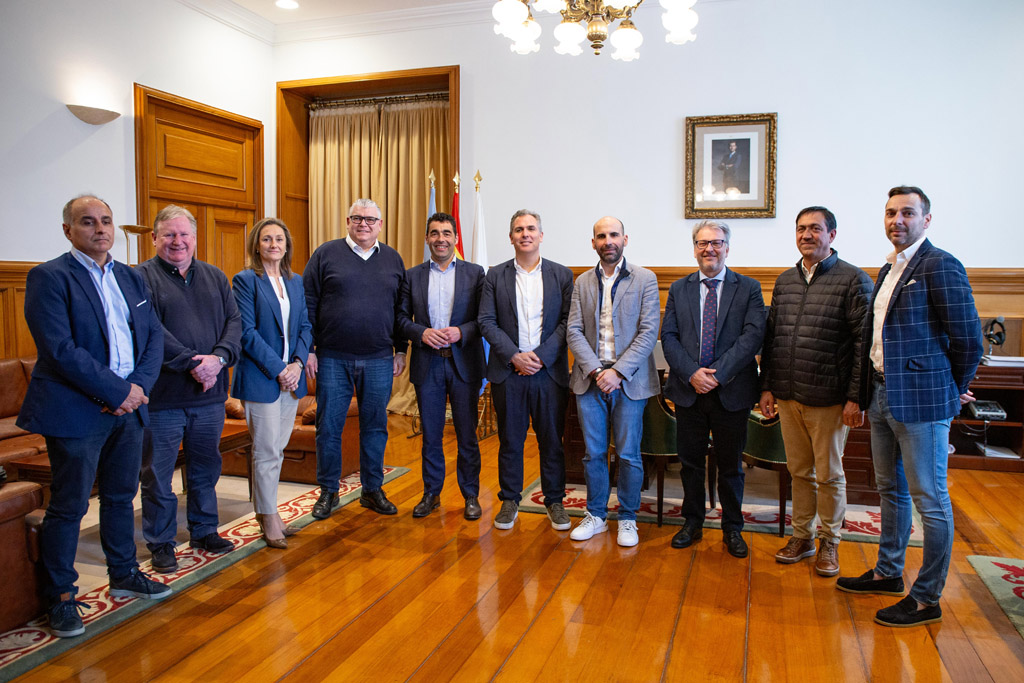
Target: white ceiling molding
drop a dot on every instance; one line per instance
(235, 16)
(391, 21)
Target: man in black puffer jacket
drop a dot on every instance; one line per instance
(809, 365)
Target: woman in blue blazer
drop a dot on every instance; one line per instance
(269, 380)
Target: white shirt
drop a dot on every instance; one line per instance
(277, 282)
(899, 261)
(718, 293)
(530, 305)
(605, 326)
(364, 254)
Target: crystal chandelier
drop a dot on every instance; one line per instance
(590, 20)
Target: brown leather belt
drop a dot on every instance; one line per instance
(446, 352)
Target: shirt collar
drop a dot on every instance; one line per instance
(520, 269)
(720, 277)
(89, 262)
(620, 267)
(437, 269)
(895, 257)
(358, 249)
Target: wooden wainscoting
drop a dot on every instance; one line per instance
(16, 340)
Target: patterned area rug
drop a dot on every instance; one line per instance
(1004, 578)
(24, 648)
(759, 515)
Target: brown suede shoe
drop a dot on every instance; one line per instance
(827, 562)
(796, 549)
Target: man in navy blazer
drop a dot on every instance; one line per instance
(713, 328)
(523, 313)
(437, 312)
(99, 346)
(921, 347)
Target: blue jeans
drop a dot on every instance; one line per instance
(600, 412)
(910, 463)
(442, 385)
(336, 381)
(198, 431)
(112, 459)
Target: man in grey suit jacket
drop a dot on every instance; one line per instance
(713, 329)
(612, 330)
(523, 310)
(437, 310)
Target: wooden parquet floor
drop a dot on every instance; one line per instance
(360, 597)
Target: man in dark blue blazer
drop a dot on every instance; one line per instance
(713, 328)
(523, 313)
(921, 347)
(437, 312)
(99, 348)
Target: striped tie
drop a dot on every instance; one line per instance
(708, 321)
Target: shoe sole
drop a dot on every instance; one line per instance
(794, 560)
(933, 620)
(125, 593)
(68, 634)
(506, 525)
(418, 515)
(693, 539)
(628, 544)
(471, 518)
(827, 572)
(592, 534)
(560, 527)
(317, 515)
(898, 594)
(219, 551)
(164, 570)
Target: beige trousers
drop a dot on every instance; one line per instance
(815, 438)
(270, 425)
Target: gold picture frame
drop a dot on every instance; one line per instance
(730, 166)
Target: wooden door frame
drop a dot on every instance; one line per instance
(290, 137)
(143, 192)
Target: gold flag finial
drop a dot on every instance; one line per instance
(456, 180)
(432, 177)
(477, 178)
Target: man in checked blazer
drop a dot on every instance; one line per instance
(922, 344)
(712, 378)
(523, 310)
(612, 330)
(437, 311)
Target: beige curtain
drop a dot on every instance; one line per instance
(384, 152)
(344, 164)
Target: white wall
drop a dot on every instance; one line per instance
(869, 95)
(54, 52)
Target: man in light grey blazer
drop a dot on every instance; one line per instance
(612, 330)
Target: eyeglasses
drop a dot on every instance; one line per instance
(704, 244)
(368, 220)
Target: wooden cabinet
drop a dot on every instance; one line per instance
(991, 383)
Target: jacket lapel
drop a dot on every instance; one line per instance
(84, 281)
(907, 274)
(509, 278)
(692, 291)
(725, 300)
(263, 283)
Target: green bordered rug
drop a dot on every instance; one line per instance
(863, 522)
(1004, 578)
(25, 648)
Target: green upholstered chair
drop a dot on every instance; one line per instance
(658, 446)
(765, 449)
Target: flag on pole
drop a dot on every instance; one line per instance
(431, 210)
(480, 250)
(459, 249)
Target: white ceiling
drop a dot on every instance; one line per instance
(314, 10)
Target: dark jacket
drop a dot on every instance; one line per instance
(813, 341)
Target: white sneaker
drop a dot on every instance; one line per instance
(588, 527)
(627, 533)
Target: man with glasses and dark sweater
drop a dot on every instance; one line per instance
(352, 291)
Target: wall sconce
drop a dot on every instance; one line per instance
(92, 115)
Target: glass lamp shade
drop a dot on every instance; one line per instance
(509, 12)
(626, 38)
(525, 47)
(625, 55)
(679, 21)
(569, 35)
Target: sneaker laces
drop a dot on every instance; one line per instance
(628, 524)
(70, 605)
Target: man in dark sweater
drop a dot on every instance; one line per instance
(810, 365)
(352, 290)
(202, 339)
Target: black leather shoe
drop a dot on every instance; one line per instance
(378, 502)
(688, 535)
(425, 506)
(905, 613)
(212, 543)
(164, 560)
(867, 583)
(735, 544)
(325, 504)
(473, 510)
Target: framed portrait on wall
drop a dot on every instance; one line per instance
(730, 166)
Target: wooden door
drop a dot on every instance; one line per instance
(209, 161)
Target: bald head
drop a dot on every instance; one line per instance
(609, 241)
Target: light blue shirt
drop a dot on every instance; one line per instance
(441, 294)
(115, 309)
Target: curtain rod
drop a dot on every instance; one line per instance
(388, 99)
